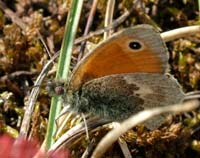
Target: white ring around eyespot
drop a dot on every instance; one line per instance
(136, 50)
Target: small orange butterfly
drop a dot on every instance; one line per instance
(123, 75)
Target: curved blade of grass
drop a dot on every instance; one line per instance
(63, 65)
(33, 97)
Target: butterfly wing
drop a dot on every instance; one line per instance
(117, 97)
(136, 49)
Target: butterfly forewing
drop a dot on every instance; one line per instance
(136, 49)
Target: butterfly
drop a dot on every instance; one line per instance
(123, 75)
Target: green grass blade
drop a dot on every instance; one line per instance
(64, 64)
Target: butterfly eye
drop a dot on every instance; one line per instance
(135, 45)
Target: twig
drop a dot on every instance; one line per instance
(89, 148)
(166, 36)
(8, 79)
(109, 16)
(124, 147)
(87, 27)
(115, 23)
(9, 13)
(16, 74)
(180, 32)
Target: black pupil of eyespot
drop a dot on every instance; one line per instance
(135, 45)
